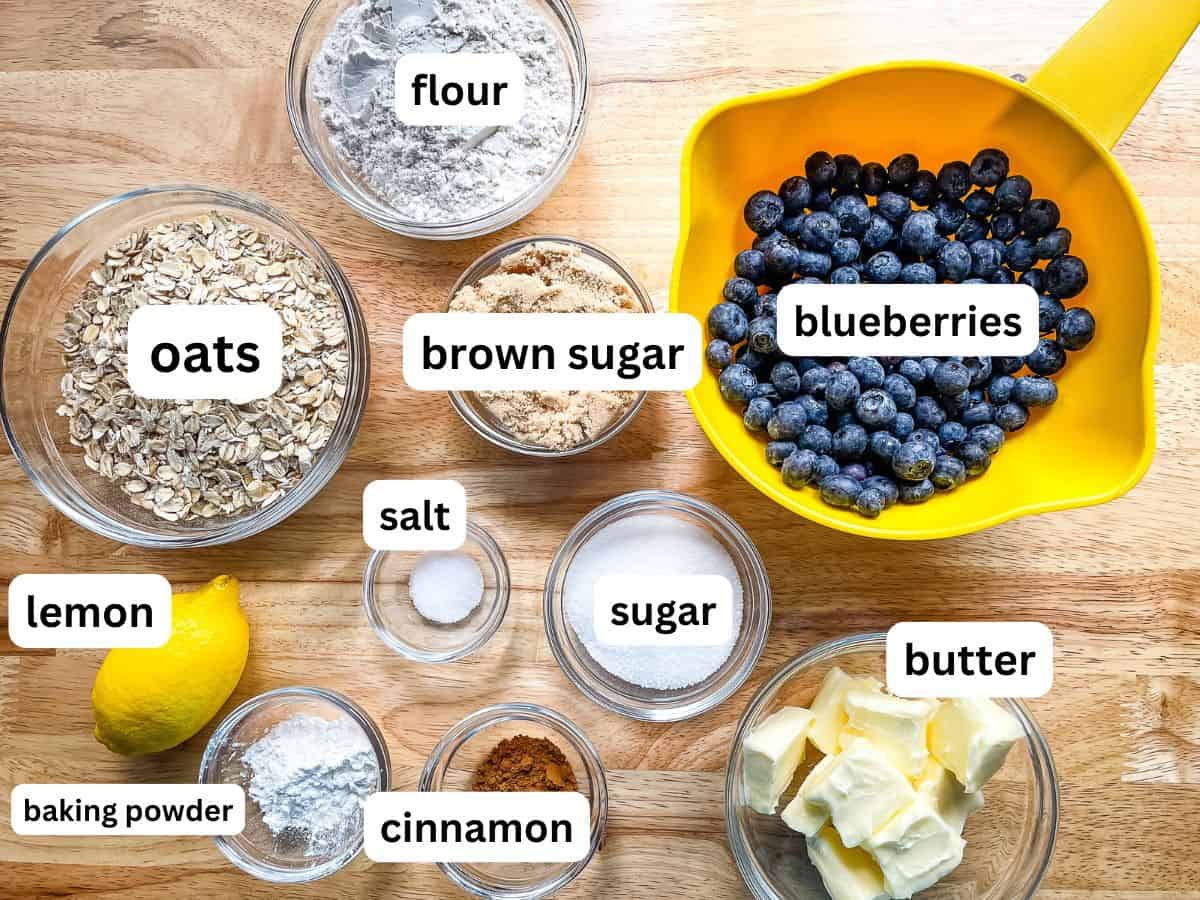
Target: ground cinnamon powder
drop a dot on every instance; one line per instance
(524, 763)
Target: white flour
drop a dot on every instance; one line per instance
(428, 174)
(310, 778)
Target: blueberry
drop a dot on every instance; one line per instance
(844, 251)
(870, 503)
(977, 414)
(950, 214)
(798, 468)
(955, 261)
(884, 267)
(783, 259)
(1000, 389)
(1035, 278)
(847, 169)
(885, 486)
(913, 460)
(1039, 217)
(876, 409)
(817, 438)
(728, 322)
(825, 467)
(1005, 226)
(820, 230)
(842, 392)
(763, 212)
(901, 390)
(765, 305)
(849, 442)
(1035, 390)
(821, 200)
(816, 410)
(840, 490)
(736, 383)
(972, 230)
(814, 264)
(760, 335)
(1021, 254)
(1013, 193)
(878, 233)
(742, 291)
(953, 405)
(1076, 328)
(786, 378)
(1048, 358)
(980, 368)
(903, 169)
(787, 422)
(757, 414)
(951, 377)
(868, 370)
(852, 214)
(767, 391)
(948, 473)
(1050, 310)
(985, 258)
(903, 426)
(1007, 365)
(929, 364)
(1012, 417)
(778, 451)
(1054, 244)
(796, 194)
(974, 457)
(980, 203)
(873, 179)
(719, 354)
(915, 491)
(764, 241)
(954, 178)
(820, 169)
(919, 233)
(923, 189)
(912, 370)
(814, 381)
(791, 226)
(883, 446)
(989, 437)
(989, 167)
(928, 413)
(1066, 277)
(928, 437)
(951, 434)
(751, 265)
(893, 207)
(845, 275)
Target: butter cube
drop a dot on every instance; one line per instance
(861, 791)
(848, 874)
(916, 849)
(829, 715)
(801, 814)
(951, 801)
(971, 736)
(770, 754)
(898, 728)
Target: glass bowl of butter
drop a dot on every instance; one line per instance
(836, 789)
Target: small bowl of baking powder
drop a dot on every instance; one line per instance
(548, 274)
(436, 182)
(308, 760)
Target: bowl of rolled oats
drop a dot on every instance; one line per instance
(188, 473)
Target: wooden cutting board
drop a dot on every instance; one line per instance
(99, 97)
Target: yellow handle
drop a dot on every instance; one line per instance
(1109, 68)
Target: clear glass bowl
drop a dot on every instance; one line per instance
(312, 135)
(452, 765)
(620, 696)
(1009, 842)
(477, 415)
(397, 622)
(256, 850)
(31, 368)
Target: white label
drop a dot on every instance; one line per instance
(970, 659)
(663, 610)
(67, 810)
(480, 89)
(89, 611)
(217, 351)
(477, 827)
(414, 515)
(552, 352)
(908, 319)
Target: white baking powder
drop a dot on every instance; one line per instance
(310, 778)
(441, 174)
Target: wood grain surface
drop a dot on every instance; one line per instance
(99, 96)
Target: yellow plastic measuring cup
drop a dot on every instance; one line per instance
(1095, 443)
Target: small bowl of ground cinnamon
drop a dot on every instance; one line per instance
(548, 275)
(519, 748)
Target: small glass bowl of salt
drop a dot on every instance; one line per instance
(438, 606)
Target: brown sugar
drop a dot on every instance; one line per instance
(524, 763)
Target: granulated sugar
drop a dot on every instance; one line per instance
(434, 174)
(652, 544)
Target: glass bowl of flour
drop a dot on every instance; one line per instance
(435, 182)
(308, 759)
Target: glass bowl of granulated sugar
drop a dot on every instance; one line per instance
(548, 274)
(443, 182)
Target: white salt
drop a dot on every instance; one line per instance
(652, 544)
(446, 587)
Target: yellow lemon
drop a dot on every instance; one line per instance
(148, 700)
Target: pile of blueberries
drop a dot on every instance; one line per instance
(871, 431)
